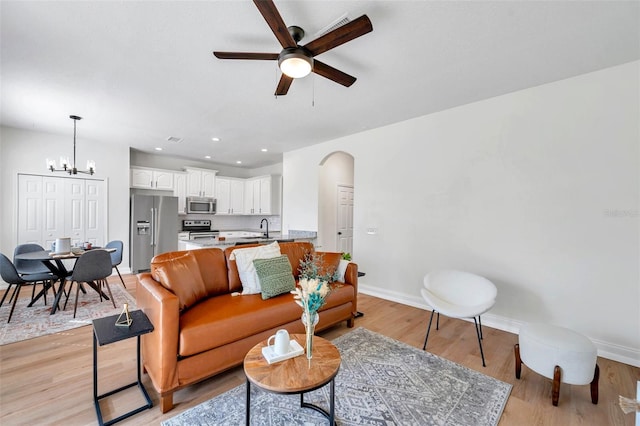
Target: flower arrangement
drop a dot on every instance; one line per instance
(310, 294)
(311, 267)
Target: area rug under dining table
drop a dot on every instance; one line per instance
(381, 382)
(27, 323)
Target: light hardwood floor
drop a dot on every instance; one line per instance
(48, 380)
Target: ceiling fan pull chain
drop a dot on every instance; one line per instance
(313, 90)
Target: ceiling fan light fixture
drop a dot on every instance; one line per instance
(295, 62)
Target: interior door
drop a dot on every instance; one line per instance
(344, 226)
(30, 221)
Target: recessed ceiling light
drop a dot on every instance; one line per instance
(238, 162)
(264, 150)
(216, 139)
(208, 157)
(158, 149)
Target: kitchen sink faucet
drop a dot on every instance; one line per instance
(266, 234)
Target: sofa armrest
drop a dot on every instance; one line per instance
(351, 277)
(159, 348)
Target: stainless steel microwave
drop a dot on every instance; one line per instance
(201, 205)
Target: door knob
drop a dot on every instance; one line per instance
(339, 233)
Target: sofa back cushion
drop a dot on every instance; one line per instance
(179, 272)
(295, 252)
(213, 268)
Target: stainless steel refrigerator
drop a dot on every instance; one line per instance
(154, 228)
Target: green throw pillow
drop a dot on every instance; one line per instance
(275, 276)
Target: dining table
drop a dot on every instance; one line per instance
(53, 261)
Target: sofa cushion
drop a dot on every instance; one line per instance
(244, 261)
(181, 275)
(275, 276)
(224, 319)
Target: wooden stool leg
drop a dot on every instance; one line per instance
(516, 349)
(594, 385)
(555, 392)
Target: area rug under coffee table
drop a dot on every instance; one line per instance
(381, 382)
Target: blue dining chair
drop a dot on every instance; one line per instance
(92, 267)
(10, 275)
(34, 270)
(116, 256)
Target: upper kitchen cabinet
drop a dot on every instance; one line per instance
(262, 195)
(229, 195)
(201, 182)
(180, 191)
(146, 178)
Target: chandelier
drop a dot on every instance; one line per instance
(64, 161)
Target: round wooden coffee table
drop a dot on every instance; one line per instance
(295, 375)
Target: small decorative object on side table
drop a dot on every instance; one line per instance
(124, 319)
(106, 331)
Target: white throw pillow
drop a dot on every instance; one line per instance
(342, 268)
(246, 269)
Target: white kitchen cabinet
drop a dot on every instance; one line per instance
(145, 178)
(201, 182)
(262, 195)
(229, 195)
(55, 207)
(180, 191)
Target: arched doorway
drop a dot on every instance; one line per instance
(335, 202)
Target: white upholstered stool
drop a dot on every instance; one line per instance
(559, 354)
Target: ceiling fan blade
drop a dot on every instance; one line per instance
(270, 14)
(331, 73)
(283, 85)
(246, 55)
(340, 35)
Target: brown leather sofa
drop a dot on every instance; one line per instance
(216, 330)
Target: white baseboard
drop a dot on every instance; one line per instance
(607, 350)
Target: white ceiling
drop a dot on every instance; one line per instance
(140, 72)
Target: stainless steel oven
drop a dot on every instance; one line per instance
(201, 205)
(199, 229)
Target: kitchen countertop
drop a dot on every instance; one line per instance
(277, 236)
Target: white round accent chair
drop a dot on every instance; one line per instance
(458, 294)
(559, 354)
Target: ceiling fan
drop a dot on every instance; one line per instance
(297, 61)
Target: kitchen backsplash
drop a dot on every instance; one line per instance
(227, 222)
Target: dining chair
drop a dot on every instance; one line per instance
(116, 256)
(34, 270)
(93, 267)
(458, 294)
(11, 276)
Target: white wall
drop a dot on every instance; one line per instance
(336, 169)
(537, 190)
(24, 151)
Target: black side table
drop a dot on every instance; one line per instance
(105, 331)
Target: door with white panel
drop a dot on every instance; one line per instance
(29, 209)
(94, 212)
(75, 213)
(345, 219)
(53, 208)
